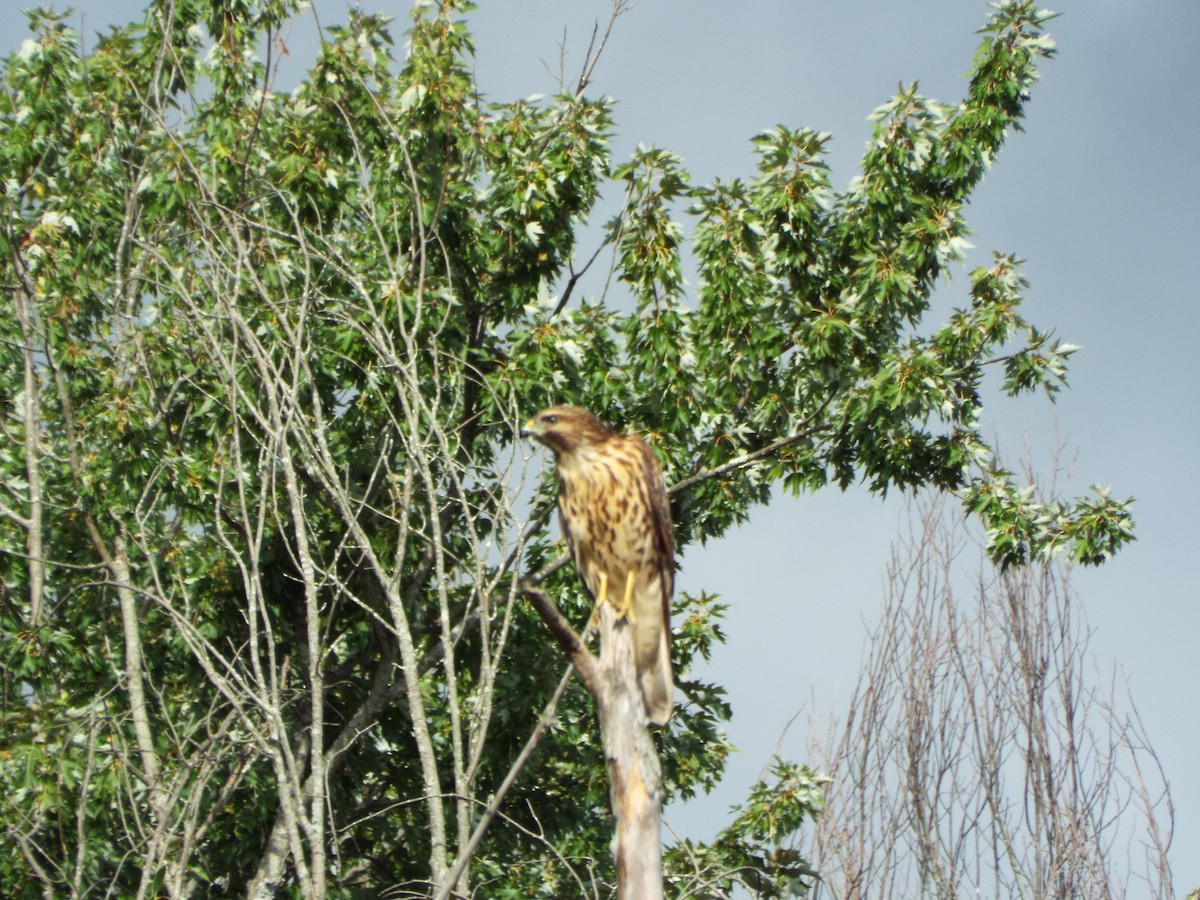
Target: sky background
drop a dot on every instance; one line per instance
(1100, 194)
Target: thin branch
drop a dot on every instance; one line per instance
(574, 279)
(747, 458)
(619, 7)
(544, 721)
(570, 642)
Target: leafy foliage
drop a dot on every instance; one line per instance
(260, 530)
(754, 851)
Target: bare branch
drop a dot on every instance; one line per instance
(974, 756)
(545, 720)
(570, 642)
(594, 51)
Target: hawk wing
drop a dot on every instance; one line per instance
(660, 522)
(652, 628)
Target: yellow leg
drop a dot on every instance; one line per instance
(623, 607)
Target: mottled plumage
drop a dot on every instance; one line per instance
(612, 504)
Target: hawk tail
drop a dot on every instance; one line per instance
(655, 680)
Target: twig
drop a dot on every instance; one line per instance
(493, 808)
(575, 276)
(570, 642)
(745, 459)
(619, 7)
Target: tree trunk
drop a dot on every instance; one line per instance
(634, 777)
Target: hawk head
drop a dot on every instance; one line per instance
(565, 429)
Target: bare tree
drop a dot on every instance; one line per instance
(983, 751)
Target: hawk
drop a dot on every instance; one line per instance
(612, 505)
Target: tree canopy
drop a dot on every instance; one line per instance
(265, 523)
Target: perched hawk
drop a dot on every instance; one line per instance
(614, 512)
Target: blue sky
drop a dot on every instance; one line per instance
(1101, 195)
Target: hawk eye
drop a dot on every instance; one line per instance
(550, 418)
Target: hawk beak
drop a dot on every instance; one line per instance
(527, 429)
